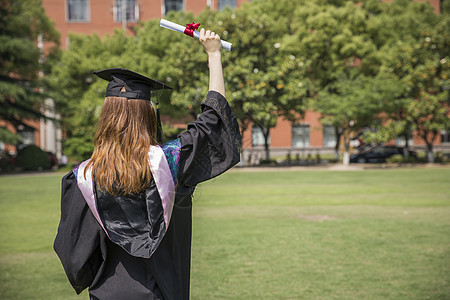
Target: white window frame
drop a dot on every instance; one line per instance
(88, 12)
(329, 139)
(400, 141)
(163, 7)
(222, 4)
(27, 137)
(116, 11)
(301, 142)
(445, 137)
(258, 137)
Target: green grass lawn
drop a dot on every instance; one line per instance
(372, 234)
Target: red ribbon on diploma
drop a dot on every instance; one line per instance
(190, 29)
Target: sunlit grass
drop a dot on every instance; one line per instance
(373, 234)
(382, 234)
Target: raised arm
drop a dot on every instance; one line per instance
(212, 46)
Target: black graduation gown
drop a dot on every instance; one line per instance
(90, 258)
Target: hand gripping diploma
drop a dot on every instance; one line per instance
(190, 31)
(211, 44)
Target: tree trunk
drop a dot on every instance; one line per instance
(430, 155)
(346, 158)
(429, 143)
(338, 143)
(266, 143)
(406, 148)
(242, 159)
(243, 129)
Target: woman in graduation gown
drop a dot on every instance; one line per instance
(126, 213)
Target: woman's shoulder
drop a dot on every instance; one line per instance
(74, 173)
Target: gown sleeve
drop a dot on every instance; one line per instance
(80, 241)
(211, 144)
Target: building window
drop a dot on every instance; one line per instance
(400, 140)
(300, 135)
(174, 5)
(258, 137)
(445, 136)
(129, 8)
(26, 137)
(225, 3)
(329, 136)
(77, 10)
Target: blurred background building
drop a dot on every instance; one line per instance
(104, 16)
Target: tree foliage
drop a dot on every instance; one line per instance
(416, 58)
(22, 22)
(81, 94)
(257, 74)
(341, 63)
(368, 64)
(256, 86)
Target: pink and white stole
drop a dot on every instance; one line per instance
(160, 172)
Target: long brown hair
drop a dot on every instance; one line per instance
(126, 129)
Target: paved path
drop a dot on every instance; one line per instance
(337, 167)
(330, 167)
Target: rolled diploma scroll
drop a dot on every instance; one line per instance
(176, 27)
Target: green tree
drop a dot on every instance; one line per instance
(22, 23)
(338, 54)
(262, 74)
(80, 94)
(182, 62)
(341, 60)
(257, 72)
(416, 57)
(445, 7)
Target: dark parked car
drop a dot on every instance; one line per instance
(53, 159)
(6, 162)
(378, 154)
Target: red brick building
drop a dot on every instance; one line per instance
(103, 16)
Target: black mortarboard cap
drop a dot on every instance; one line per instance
(136, 86)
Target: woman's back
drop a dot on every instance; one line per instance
(136, 244)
